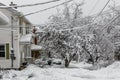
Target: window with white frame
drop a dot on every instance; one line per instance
(2, 51)
(27, 30)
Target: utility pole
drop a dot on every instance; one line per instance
(12, 55)
(12, 45)
(12, 4)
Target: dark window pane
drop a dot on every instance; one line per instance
(2, 51)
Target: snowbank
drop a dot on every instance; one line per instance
(33, 72)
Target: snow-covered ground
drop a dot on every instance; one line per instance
(75, 72)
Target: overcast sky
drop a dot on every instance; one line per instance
(90, 7)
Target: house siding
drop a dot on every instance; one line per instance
(5, 38)
(7, 51)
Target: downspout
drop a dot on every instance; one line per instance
(12, 55)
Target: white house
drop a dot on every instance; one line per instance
(3, 19)
(3, 46)
(13, 30)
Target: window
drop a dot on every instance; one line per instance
(2, 51)
(20, 28)
(27, 30)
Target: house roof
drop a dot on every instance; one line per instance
(35, 47)
(25, 39)
(3, 19)
(16, 12)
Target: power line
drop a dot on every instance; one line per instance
(59, 5)
(76, 28)
(101, 10)
(111, 22)
(93, 20)
(104, 7)
(105, 26)
(13, 27)
(46, 8)
(7, 29)
(28, 5)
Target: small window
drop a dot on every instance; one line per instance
(27, 30)
(21, 29)
(21, 25)
(2, 51)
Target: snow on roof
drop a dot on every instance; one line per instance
(35, 47)
(3, 19)
(39, 31)
(26, 38)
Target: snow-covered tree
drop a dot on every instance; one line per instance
(67, 36)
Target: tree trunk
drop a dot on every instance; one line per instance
(78, 59)
(91, 58)
(66, 63)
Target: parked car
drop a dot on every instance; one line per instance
(57, 61)
(43, 61)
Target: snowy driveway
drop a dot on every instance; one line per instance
(33, 72)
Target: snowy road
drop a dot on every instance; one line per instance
(33, 72)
